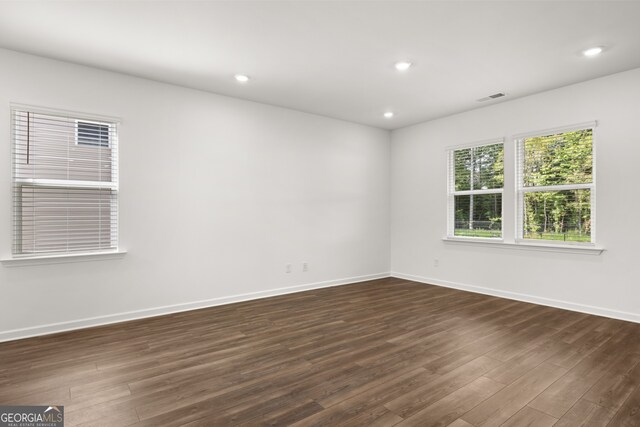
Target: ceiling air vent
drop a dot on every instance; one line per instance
(490, 97)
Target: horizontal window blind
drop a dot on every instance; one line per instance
(65, 184)
(479, 168)
(556, 186)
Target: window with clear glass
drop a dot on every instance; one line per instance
(476, 181)
(556, 187)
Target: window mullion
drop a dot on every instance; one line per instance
(562, 187)
(476, 192)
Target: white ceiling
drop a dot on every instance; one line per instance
(335, 58)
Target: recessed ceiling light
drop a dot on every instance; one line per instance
(592, 51)
(403, 65)
(242, 78)
(388, 114)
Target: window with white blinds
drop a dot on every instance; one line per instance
(476, 181)
(65, 183)
(556, 186)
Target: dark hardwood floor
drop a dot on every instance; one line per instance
(381, 353)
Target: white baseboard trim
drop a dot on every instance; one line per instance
(566, 305)
(52, 328)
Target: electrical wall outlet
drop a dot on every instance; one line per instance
(305, 266)
(287, 268)
(436, 262)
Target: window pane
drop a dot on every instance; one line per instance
(478, 215)
(65, 219)
(95, 134)
(558, 215)
(488, 163)
(479, 168)
(45, 148)
(462, 169)
(564, 158)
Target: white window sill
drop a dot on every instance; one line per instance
(585, 248)
(61, 259)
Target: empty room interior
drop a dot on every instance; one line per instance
(319, 213)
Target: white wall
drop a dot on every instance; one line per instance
(217, 195)
(606, 284)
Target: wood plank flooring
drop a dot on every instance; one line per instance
(381, 353)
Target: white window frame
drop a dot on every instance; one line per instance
(521, 190)
(34, 258)
(451, 192)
